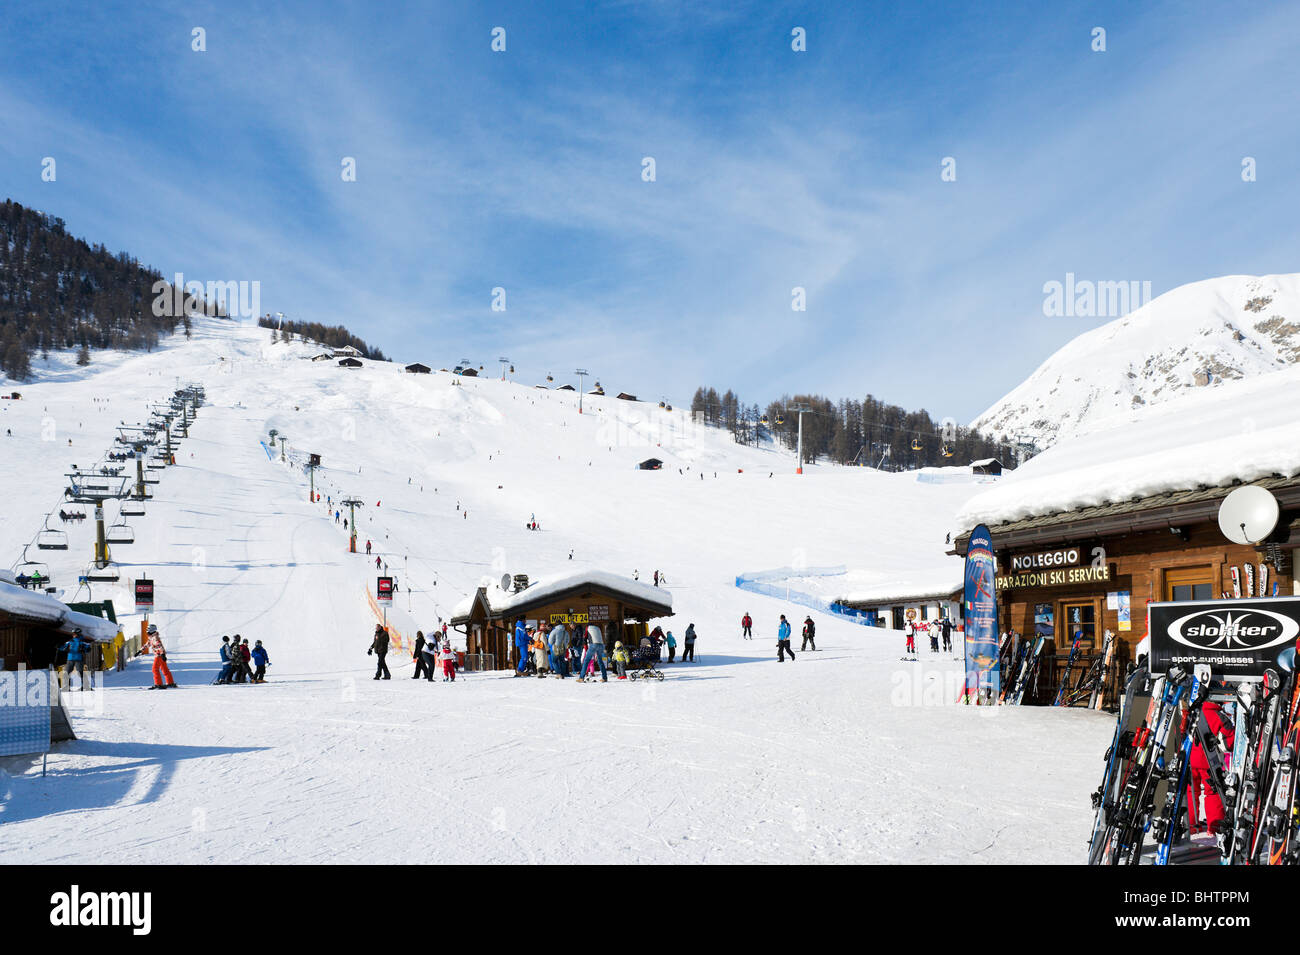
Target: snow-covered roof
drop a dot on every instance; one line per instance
(940, 584)
(501, 602)
(1242, 431)
(42, 608)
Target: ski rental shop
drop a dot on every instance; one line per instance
(1087, 570)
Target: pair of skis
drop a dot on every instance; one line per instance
(1069, 665)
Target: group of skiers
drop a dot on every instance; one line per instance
(783, 631)
(428, 654)
(432, 652)
(238, 661)
(937, 630)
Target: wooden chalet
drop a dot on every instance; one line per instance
(618, 608)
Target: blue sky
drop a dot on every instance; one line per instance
(775, 169)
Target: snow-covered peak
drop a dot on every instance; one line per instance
(1196, 336)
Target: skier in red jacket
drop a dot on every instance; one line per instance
(1199, 766)
(746, 624)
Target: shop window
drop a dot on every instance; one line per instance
(1081, 618)
(1189, 583)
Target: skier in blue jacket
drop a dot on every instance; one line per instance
(521, 646)
(77, 649)
(783, 641)
(227, 662)
(261, 660)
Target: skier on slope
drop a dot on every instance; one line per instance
(367, 548)
(783, 641)
(746, 626)
(261, 660)
(227, 664)
(910, 630)
(379, 647)
(418, 654)
(77, 649)
(947, 634)
(809, 634)
(154, 645)
(448, 663)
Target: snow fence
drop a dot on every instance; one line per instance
(767, 583)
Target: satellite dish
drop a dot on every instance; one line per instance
(1248, 515)
(506, 580)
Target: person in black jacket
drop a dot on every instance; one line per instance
(379, 647)
(947, 634)
(809, 634)
(418, 655)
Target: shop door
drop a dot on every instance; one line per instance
(1080, 617)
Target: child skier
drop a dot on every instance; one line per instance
(261, 661)
(621, 660)
(448, 662)
(911, 637)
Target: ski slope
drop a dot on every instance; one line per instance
(845, 755)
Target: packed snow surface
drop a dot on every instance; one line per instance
(844, 755)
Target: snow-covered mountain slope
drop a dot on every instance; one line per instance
(1244, 431)
(1196, 336)
(844, 755)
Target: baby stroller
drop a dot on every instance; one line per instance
(642, 660)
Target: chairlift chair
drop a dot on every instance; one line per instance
(50, 539)
(108, 574)
(132, 508)
(120, 533)
(946, 451)
(31, 568)
(763, 420)
(780, 419)
(916, 444)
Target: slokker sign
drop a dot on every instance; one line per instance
(1236, 638)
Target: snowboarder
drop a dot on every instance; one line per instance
(688, 650)
(154, 645)
(261, 660)
(746, 626)
(783, 641)
(809, 634)
(379, 647)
